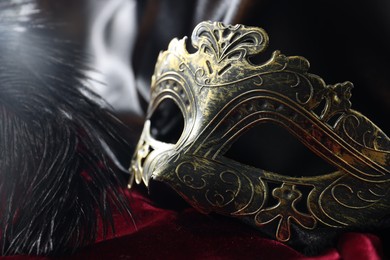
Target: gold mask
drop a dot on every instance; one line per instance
(221, 94)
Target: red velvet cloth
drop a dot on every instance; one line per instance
(187, 234)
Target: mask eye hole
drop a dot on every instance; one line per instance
(167, 122)
(270, 147)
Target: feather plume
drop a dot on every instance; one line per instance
(57, 175)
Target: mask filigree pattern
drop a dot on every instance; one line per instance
(221, 94)
(287, 195)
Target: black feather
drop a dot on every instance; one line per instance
(56, 176)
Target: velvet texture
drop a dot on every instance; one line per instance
(186, 234)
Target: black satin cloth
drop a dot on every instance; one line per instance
(343, 40)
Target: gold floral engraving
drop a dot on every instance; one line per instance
(221, 95)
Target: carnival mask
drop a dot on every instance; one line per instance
(221, 94)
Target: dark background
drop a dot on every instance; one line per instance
(343, 40)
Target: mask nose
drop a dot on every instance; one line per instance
(150, 155)
(155, 163)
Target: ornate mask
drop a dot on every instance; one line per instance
(221, 94)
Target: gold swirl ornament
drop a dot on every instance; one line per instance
(221, 95)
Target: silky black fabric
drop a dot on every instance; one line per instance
(345, 40)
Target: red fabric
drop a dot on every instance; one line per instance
(187, 234)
